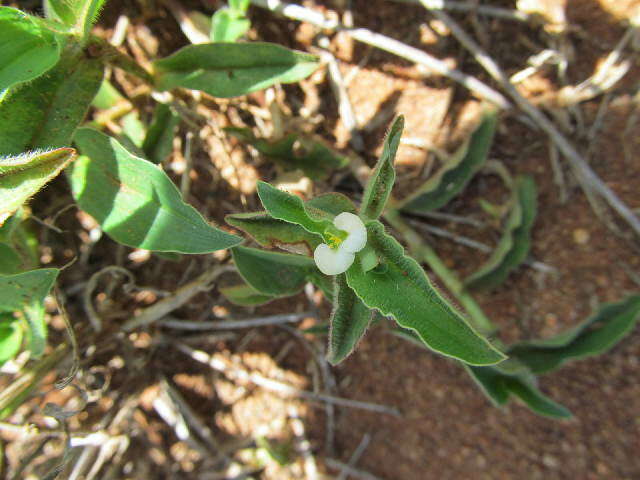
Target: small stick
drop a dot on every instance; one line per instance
(297, 12)
(473, 7)
(450, 217)
(354, 472)
(234, 324)
(181, 296)
(302, 445)
(185, 179)
(362, 446)
(87, 302)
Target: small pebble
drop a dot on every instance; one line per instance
(580, 236)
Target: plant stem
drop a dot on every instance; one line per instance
(99, 47)
(424, 252)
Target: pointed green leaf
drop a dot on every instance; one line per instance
(331, 203)
(290, 208)
(380, 184)
(135, 202)
(400, 288)
(78, 14)
(232, 69)
(515, 242)
(245, 295)
(454, 175)
(107, 97)
(158, 144)
(44, 113)
(228, 25)
(28, 48)
(25, 293)
(10, 337)
(273, 273)
(349, 321)
(24, 175)
(599, 333)
(10, 261)
(293, 152)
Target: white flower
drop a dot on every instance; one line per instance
(332, 261)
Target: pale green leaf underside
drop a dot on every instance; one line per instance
(400, 288)
(28, 48)
(454, 174)
(136, 203)
(383, 176)
(232, 69)
(245, 295)
(349, 321)
(515, 242)
(24, 175)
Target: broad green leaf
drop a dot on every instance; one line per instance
(273, 273)
(232, 69)
(594, 336)
(245, 295)
(271, 232)
(135, 202)
(78, 14)
(454, 174)
(158, 144)
(10, 261)
(134, 129)
(400, 288)
(228, 25)
(380, 184)
(348, 323)
(331, 203)
(25, 293)
(514, 245)
(10, 337)
(44, 113)
(107, 97)
(290, 208)
(28, 48)
(294, 152)
(23, 176)
(499, 388)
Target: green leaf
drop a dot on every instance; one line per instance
(380, 184)
(400, 288)
(331, 204)
(514, 245)
(24, 175)
(596, 335)
(44, 113)
(158, 144)
(228, 25)
(271, 232)
(293, 152)
(273, 273)
(136, 203)
(10, 261)
(454, 175)
(25, 293)
(10, 337)
(134, 129)
(28, 48)
(232, 69)
(78, 14)
(348, 323)
(245, 295)
(290, 208)
(499, 388)
(240, 6)
(107, 97)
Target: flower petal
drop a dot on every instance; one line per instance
(332, 262)
(351, 224)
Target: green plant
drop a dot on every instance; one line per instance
(52, 71)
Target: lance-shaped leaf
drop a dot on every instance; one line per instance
(500, 387)
(272, 232)
(245, 295)
(273, 273)
(514, 245)
(232, 69)
(46, 112)
(10, 337)
(22, 176)
(135, 202)
(28, 48)
(158, 142)
(290, 208)
(454, 174)
(348, 323)
(380, 184)
(599, 333)
(25, 293)
(228, 25)
(294, 152)
(80, 15)
(400, 288)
